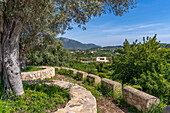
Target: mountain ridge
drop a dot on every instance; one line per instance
(76, 45)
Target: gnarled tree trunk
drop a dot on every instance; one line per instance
(1, 32)
(11, 29)
(22, 57)
(0, 63)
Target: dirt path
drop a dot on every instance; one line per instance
(104, 105)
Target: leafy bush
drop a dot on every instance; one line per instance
(89, 68)
(145, 64)
(101, 67)
(53, 55)
(102, 75)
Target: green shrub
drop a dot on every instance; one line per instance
(52, 55)
(144, 64)
(102, 75)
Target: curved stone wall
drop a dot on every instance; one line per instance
(132, 96)
(82, 101)
(139, 99)
(47, 72)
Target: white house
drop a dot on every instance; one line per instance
(99, 59)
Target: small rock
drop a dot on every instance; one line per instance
(166, 109)
(70, 112)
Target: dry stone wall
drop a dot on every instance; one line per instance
(82, 75)
(132, 96)
(82, 101)
(93, 79)
(139, 99)
(73, 71)
(47, 72)
(112, 87)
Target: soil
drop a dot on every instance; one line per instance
(104, 104)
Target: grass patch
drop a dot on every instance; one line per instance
(38, 98)
(30, 69)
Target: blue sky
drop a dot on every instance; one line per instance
(148, 18)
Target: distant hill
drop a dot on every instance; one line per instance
(76, 45)
(106, 48)
(165, 45)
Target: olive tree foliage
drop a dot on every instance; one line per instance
(43, 16)
(66, 13)
(52, 54)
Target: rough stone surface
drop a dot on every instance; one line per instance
(73, 71)
(58, 68)
(113, 86)
(47, 72)
(139, 99)
(82, 75)
(65, 68)
(93, 79)
(166, 109)
(82, 101)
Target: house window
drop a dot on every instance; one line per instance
(101, 58)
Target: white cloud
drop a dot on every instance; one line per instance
(143, 26)
(121, 29)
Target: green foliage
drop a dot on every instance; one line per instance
(107, 92)
(29, 69)
(87, 55)
(53, 55)
(134, 86)
(63, 72)
(101, 67)
(102, 75)
(155, 109)
(144, 64)
(37, 98)
(86, 67)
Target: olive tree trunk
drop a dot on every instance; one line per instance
(1, 32)
(9, 52)
(22, 57)
(0, 63)
(10, 57)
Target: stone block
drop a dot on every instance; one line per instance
(139, 99)
(73, 71)
(47, 72)
(112, 88)
(82, 75)
(166, 109)
(93, 79)
(58, 68)
(65, 68)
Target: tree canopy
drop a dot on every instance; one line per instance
(145, 64)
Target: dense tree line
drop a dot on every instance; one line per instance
(50, 54)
